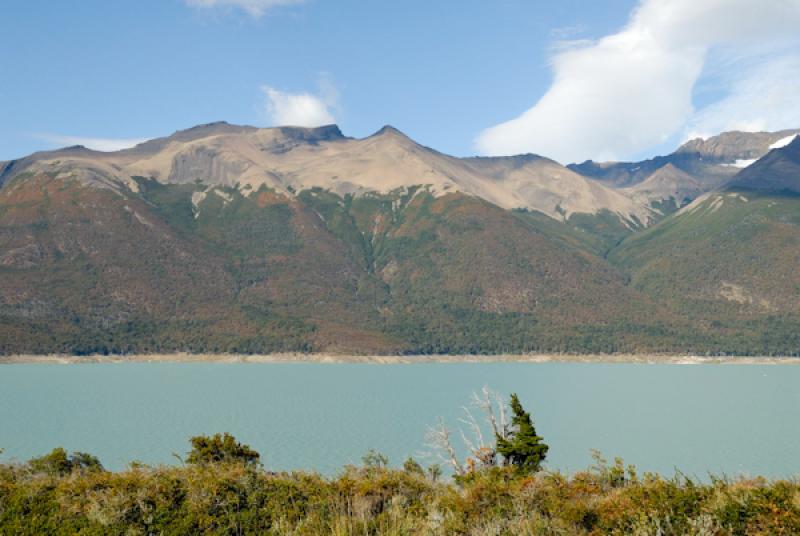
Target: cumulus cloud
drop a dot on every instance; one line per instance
(254, 8)
(98, 144)
(629, 91)
(301, 109)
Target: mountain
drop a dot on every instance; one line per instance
(778, 172)
(668, 183)
(729, 260)
(88, 269)
(711, 162)
(291, 159)
(225, 238)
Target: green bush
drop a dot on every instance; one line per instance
(220, 497)
(220, 448)
(58, 462)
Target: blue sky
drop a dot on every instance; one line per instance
(443, 72)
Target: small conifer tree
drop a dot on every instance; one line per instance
(522, 448)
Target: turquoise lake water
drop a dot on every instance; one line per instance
(696, 418)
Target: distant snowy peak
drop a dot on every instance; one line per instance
(731, 147)
(780, 144)
(777, 173)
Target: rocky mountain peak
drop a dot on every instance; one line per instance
(312, 134)
(388, 130)
(734, 145)
(777, 173)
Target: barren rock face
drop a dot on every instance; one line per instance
(732, 146)
(292, 159)
(668, 182)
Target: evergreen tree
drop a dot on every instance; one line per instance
(522, 448)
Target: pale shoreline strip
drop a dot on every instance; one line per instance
(400, 359)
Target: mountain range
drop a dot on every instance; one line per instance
(225, 238)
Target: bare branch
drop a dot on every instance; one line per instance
(439, 439)
(474, 426)
(482, 454)
(485, 404)
(504, 425)
(467, 443)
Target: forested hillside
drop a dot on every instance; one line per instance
(96, 260)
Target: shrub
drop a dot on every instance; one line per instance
(58, 462)
(374, 460)
(220, 448)
(237, 498)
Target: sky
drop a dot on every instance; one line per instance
(569, 79)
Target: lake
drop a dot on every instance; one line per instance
(696, 418)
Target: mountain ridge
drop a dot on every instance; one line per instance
(777, 172)
(729, 259)
(295, 158)
(710, 161)
(224, 238)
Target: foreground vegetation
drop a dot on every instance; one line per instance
(500, 489)
(238, 497)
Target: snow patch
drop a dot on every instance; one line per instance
(741, 164)
(783, 142)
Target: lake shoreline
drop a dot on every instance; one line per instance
(332, 358)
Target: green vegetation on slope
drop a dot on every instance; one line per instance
(730, 264)
(596, 233)
(190, 267)
(200, 268)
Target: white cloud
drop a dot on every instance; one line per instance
(97, 144)
(301, 109)
(254, 8)
(632, 90)
(766, 97)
